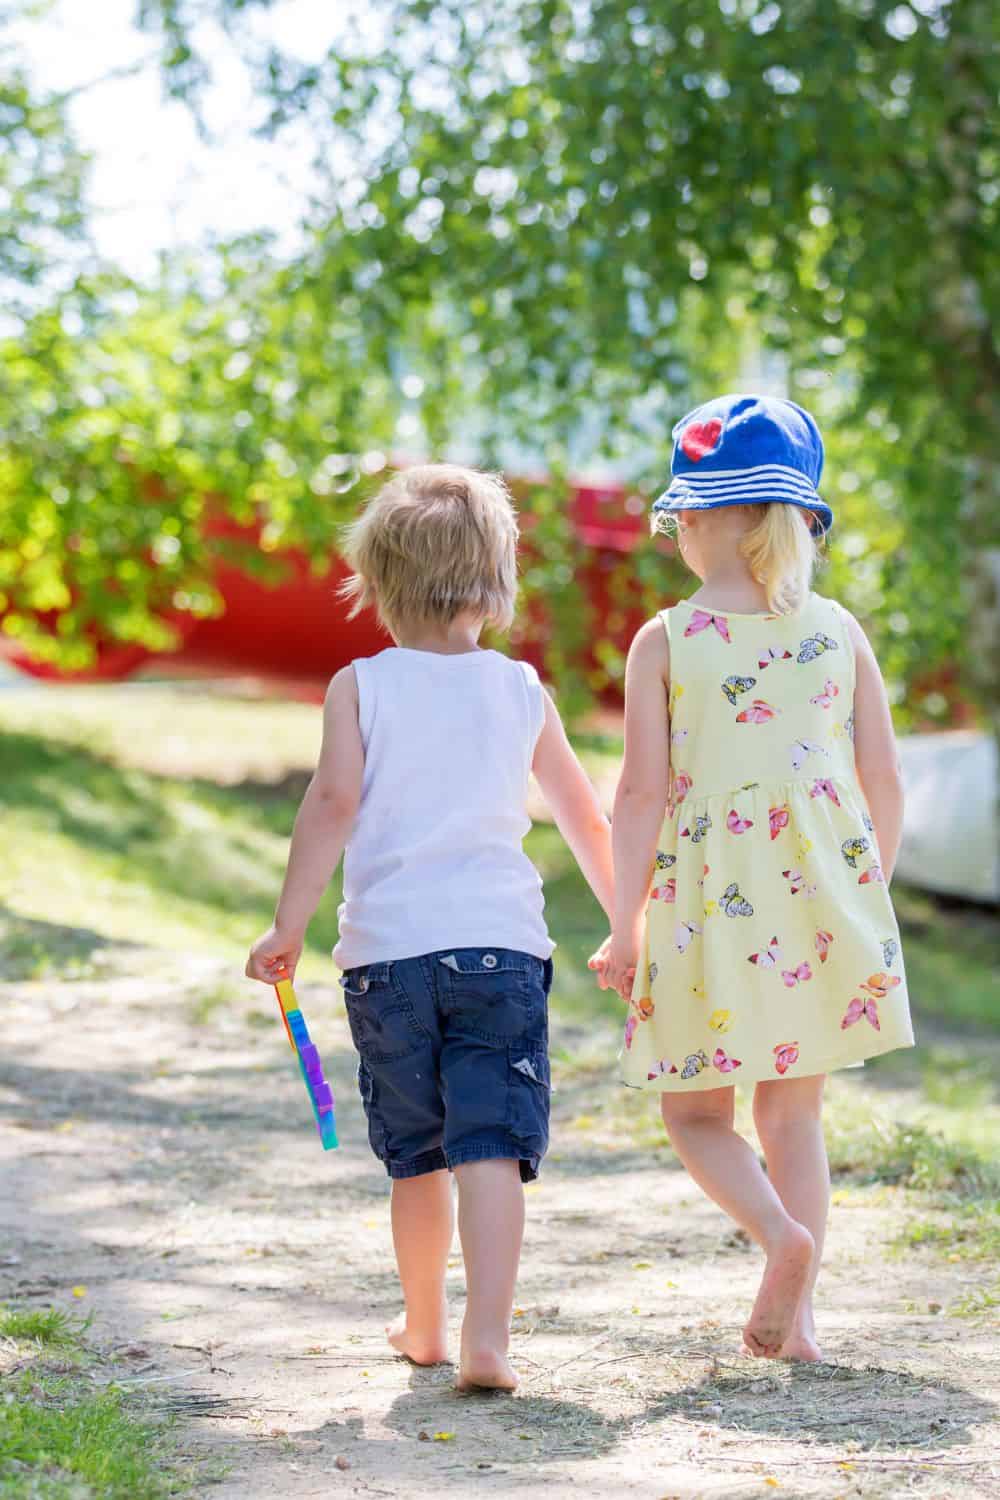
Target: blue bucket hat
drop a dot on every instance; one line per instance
(746, 450)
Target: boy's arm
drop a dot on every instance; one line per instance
(322, 827)
(567, 789)
(641, 799)
(875, 753)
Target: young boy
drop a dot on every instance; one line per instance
(421, 784)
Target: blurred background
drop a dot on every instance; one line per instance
(253, 255)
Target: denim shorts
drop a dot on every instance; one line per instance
(454, 1058)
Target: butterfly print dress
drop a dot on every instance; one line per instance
(771, 946)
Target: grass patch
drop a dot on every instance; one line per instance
(976, 1303)
(57, 1443)
(971, 1233)
(60, 1439)
(952, 953)
(46, 1326)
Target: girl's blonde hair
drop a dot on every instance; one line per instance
(435, 541)
(781, 552)
(779, 547)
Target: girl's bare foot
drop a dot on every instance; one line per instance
(799, 1346)
(421, 1349)
(789, 1262)
(486, 1370)
(801, 1342)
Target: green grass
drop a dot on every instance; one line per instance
(60, 1439)
(952, 956)
(48, 1326)
(970, 1232)
(55, 1445)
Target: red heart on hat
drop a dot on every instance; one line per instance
(700, 438)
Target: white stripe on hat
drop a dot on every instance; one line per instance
(770, 476)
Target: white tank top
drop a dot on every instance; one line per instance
(434, 860)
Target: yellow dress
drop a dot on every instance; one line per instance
(771, 948)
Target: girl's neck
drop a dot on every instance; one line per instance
(457, 638)
(729, 584)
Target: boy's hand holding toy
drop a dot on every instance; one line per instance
(274, 956)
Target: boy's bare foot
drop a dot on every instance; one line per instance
(785, 1275)
(421, 1350)
(487, 1370)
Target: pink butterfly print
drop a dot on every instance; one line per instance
(826, 697)
(823, 942)
(723, 1063)
(859, 1008)
(663, 1066)
(872, 876)
(768, 956)
(778, 819)
(667, 892)
(736, 824)
(759, 712)
(770, 654)
(630, 1026)
(701, 620)
(792, 977)
(785, 1054)
(682, 785)
(824, 788)
(799, 884)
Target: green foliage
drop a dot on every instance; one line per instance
(600, 203)
(541, 221)
(41, 180)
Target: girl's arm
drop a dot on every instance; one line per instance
(641, 799)
(567, 789)
(875, 749)
(322, 827)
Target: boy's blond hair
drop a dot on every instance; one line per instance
(436, 540)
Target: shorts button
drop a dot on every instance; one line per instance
(489, 960)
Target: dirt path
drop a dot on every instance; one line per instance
(177, 1180)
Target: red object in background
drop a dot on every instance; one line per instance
(296, 632)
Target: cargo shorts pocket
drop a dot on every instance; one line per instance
(529, 1089)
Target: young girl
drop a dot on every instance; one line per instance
(757, 913)
(423, 775)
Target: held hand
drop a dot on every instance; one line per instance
(598, 963)
(274, 956)
(620, 966)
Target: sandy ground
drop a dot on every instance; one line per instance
(157, 1152)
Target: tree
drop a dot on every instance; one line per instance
(553, 180)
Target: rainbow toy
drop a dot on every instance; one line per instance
(310, 1064)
